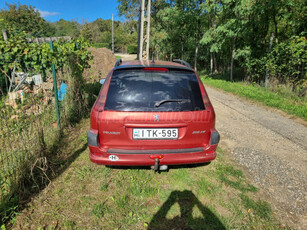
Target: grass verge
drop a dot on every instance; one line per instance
(86, 196)
(279, 99)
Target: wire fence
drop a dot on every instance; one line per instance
(29, 132)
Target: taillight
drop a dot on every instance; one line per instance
(206, 100)
(204, 94)
(100, 102)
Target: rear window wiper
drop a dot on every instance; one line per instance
(157, 104)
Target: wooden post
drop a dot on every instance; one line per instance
(148, 28)
(4, 35)
(267, 74)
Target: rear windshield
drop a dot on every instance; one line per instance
(138, 90)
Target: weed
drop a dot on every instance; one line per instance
(68, 224)
(104, 187)
(260, 208)
(83, 137)
(59, 190)
(83, 172)
(205, 187)
(99, 210)
(181, 175)
(122, 201)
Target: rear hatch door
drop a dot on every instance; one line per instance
(154, 109)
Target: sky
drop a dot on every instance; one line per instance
(79, 10)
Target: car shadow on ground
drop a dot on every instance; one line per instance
(187, 202)
(149, 167)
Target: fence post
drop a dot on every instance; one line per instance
(55, 90)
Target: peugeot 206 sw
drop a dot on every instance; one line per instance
(152, 113)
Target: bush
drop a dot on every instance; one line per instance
(132, 49)
(101, 45)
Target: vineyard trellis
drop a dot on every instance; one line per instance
(28, 128)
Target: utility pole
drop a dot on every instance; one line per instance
(148, 28)
(113, 33)
(141, 31)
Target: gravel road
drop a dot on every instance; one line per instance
(271, 148)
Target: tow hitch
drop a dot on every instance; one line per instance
(156, 167)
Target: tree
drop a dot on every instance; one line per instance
(86, 32)
(67, 28)
(26, 18)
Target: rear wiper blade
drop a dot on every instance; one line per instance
(157, 104)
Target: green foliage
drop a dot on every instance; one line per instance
(37, 58)
(128, 8)
(26, 18)
(288, 60)
(86, 33)
(101, 45)
(132, 49)
(214, 34)
(67, 28)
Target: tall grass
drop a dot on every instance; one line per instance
(278, 98)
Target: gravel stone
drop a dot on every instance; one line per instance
(271, 148)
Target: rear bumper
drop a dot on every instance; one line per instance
(140, 158)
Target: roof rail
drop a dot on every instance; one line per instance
(118, 62)
(182, 63)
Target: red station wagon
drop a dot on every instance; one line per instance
(152, 113)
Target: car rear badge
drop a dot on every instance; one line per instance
(113, 158)
(156, 117)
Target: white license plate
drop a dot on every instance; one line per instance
(171, 133)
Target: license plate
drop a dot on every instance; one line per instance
(171, 133)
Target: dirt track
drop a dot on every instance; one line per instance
(271, 148)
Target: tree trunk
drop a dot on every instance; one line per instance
(196, 56)
(231, 65)
(197, 35)
(4, 35)
(232, 57)
(303, 92)
(276, 30)
(267, 75)
(182, 49)
(215, 63)
(211, 63)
